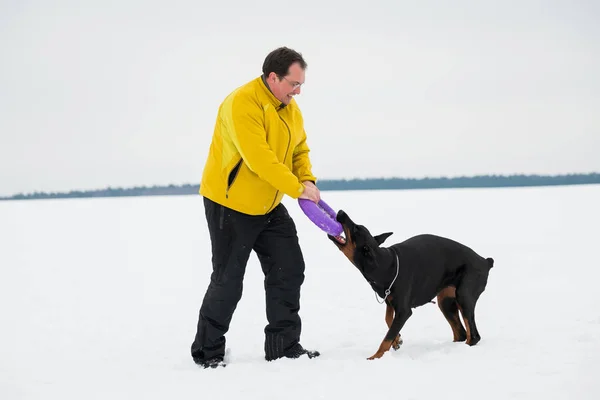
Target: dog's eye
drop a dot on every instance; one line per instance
(366, 250)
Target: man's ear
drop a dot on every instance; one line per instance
(381, 238)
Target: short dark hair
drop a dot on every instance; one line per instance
(280, 60)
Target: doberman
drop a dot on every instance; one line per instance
(412, 273)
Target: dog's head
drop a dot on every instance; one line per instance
(357, 244)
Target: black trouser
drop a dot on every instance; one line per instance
(234, 235)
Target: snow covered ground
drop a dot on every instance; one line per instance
(99, 300)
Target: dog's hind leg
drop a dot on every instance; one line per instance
(467, 294)
(389, 317)
(446, 300)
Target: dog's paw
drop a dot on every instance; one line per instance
(397, 343)
(473, 341)
(379, 354)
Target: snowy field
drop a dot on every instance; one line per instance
(99, 300)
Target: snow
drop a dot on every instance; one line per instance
(99, 300)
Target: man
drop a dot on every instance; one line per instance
(258, 154)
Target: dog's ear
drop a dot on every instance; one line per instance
(381, 238)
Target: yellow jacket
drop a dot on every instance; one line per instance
(258, 151)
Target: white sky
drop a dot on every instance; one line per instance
(125, 93)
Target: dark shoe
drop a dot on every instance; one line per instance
(296, 352)
(214, 362)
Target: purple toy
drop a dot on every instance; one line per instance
(322, 216)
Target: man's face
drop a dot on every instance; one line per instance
(288, 86)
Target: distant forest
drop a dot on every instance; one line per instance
(482, 181)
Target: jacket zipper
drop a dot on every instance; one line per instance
(284, 157)
(231, 179)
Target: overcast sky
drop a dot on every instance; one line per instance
(124, 93)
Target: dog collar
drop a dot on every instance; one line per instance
(389, 289)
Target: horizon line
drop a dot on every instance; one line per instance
(596, 175)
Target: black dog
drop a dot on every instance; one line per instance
(410, 274)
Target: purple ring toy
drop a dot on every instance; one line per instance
(322, 216)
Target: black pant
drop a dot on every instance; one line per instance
(274, 239)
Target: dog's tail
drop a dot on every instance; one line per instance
(490, 262)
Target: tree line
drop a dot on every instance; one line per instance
(480, 181)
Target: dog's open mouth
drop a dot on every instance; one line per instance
(340, 239)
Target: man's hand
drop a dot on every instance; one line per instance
(311, 192)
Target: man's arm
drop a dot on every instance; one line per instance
(302, 166)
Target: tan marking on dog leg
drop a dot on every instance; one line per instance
(389, 317)
(397, 342)
(451, 322)
(468, 330)
(385, 346)
(454, 319)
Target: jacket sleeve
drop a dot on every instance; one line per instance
(244, 120)
(301, 161)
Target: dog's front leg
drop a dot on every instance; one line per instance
(399, 320)
(389, 317)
